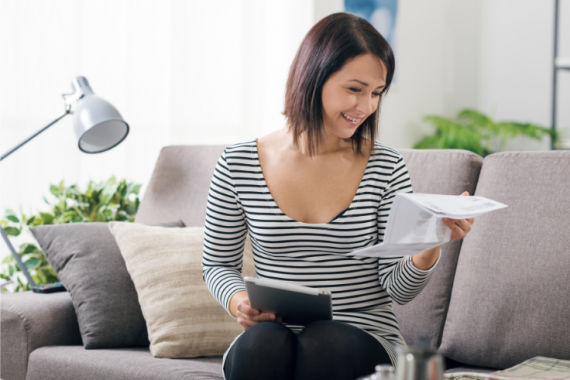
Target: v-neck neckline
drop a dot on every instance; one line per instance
(372, 151)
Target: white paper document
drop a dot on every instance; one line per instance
(415, 222)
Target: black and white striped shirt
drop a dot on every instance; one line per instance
(363, 288)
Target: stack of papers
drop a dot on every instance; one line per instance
(538, 367)
(415, 222)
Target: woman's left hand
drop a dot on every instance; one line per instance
(459, 227)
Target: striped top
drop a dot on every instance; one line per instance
(362, 288)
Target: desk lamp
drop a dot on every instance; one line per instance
(98, 127)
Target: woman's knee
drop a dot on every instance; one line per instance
(264, 351)
(326, 333)
(337, 350)
(337, 339)
(267, 337)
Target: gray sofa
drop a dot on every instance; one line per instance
(496, 299)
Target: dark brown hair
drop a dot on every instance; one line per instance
(329, 44)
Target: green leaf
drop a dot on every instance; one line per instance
(123, 191)
(12, 231)
(13, 218)
(472, 130)
(428, 142)
(130, 209)
(32, 263)
(47, 218)
(134, 188)
(474, 118)
(67, 217)
(54, 190)
(41, 278)
(28, 248)
(106, 198)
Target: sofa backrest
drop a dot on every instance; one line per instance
(448, 172)
(511, 294)
(178, 188)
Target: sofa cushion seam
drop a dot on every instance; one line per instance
(447, 304)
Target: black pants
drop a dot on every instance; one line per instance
(323, 350)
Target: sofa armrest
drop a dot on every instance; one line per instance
(30, 320)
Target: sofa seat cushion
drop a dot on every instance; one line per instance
(75, 362)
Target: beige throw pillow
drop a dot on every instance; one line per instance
(182, 316)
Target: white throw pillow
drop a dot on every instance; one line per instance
(182, 316)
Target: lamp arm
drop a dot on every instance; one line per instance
(17, 257)
(2, 232)
(67, 111)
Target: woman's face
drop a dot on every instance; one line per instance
(351, 94)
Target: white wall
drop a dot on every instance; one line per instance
(491, 55)
(214, 72)
(437, 66)
(516, 63)
(180, 72)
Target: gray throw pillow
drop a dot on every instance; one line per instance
(88, 262)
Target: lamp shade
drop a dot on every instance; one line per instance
(98, 125)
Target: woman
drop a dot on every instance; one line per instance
(307, 195)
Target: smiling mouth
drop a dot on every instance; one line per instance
(350, 118)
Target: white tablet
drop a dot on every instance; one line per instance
(295, 304)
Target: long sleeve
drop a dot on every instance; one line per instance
(398, 276)
(224, 236)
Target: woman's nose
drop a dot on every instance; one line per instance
(366, 106)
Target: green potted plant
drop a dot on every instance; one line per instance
(472, 130)
(106, 201)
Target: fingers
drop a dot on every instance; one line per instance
(248, 317)
(463, 224)
(459, 227)
(246, 320)
(245, 308)
(466, 194)
(264, 317)
(253, 314)
(456, 231)
(246, 324)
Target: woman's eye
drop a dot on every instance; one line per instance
(358, 90)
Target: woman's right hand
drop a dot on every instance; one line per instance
(246, 316)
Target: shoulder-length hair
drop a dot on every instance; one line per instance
(329, 44)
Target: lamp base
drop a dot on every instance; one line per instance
(49, 288)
